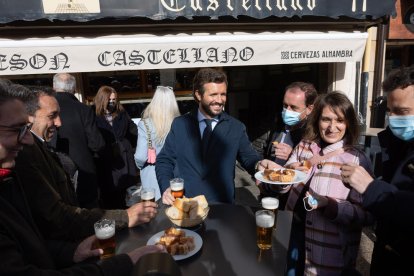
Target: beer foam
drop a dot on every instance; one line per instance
(105, 232)
(147, 195)
(177, 186)
(270, 203)
(265, 220)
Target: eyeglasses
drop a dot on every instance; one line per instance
(20, 130)
(169, 87)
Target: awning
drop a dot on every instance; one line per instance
(86, 10)
(137, 52)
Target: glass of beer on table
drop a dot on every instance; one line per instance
(105, 233)
(272, 204)
(265, 219)
(177, 187)
(147, 194)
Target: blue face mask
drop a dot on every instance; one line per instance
(402, 126)
(290, 117)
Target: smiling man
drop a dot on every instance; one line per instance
(53, 200)
(203, 145)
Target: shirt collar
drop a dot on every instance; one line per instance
(38, 137)
(201, 117)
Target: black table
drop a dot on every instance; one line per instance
(229, 243)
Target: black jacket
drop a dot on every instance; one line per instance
(116, 164)
(23, 251)
(52, 200)
(392, 203)
(78, 136)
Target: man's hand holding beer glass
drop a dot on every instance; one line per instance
(176, 190)
(86, 249)
(142, 212)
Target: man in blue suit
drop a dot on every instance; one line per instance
(205, 144)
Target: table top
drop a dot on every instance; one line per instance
(229, 242)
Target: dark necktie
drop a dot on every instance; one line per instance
(206, 135)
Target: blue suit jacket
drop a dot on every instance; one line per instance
(212, 176)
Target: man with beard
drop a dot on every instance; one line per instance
(53, 200)
(203, 145)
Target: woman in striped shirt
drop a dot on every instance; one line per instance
(328, 218)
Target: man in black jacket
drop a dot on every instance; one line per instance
(392, 202)
(78, 137)
(52, 200)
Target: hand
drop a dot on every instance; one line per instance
(167, 197)
(141, 212)
(141, 251)
(267, 164)
(282, 151)
(85, 251)
(281, 189)
(356, 176)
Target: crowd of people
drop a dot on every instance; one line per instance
(65, 165)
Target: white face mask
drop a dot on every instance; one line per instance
(402, 126)
(290, 117)
(310, 201)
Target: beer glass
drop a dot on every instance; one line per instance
(105, 232)
(265, 219)
(271, 203)
(147, 194)
(177, 187)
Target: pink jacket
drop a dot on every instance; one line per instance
(332, 233)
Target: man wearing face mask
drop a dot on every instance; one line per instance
(392, 201)
(297, 105)
(78, 137)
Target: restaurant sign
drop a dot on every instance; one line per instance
(39, 56)
(85, 10)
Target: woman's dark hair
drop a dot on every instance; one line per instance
(343, 108)
(102, 98)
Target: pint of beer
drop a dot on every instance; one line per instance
(271, 203)
(177, 187)
(265, 219)
(105, 232)
(147, 194)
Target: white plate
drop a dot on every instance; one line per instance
(198, 242)
(299, 177)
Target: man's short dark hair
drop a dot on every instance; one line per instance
(308, 88)
(11, 91)
(33, 104)
(207, 75)
(399, 78)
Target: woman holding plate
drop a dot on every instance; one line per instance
(328, 217)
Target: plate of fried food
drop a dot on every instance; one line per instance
(281, 176)
(180, 243)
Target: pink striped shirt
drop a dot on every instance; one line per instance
(332, 233)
